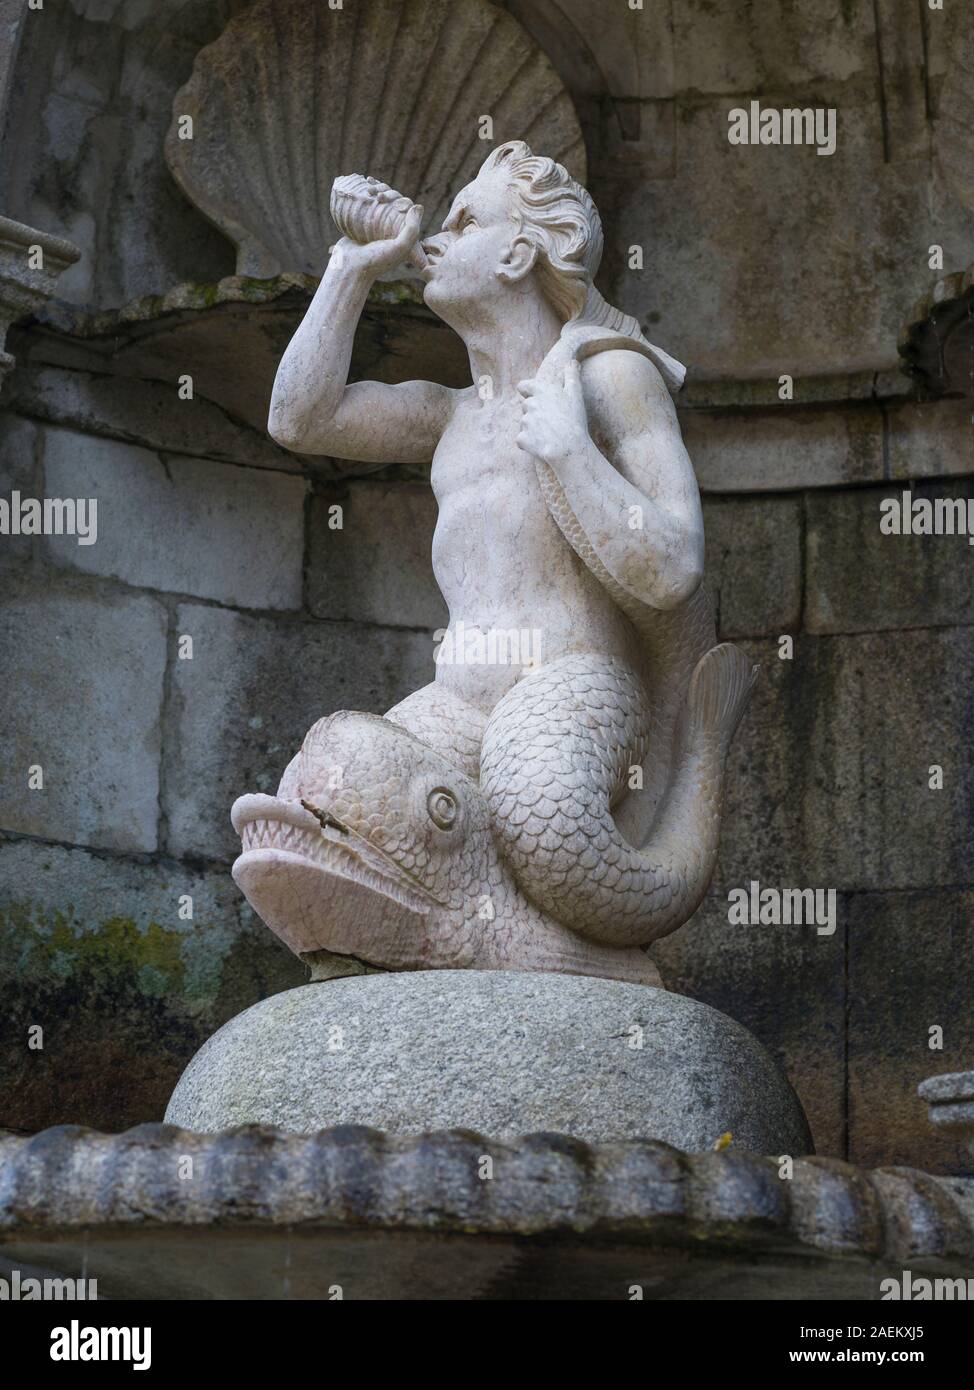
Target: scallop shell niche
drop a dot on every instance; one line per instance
(295, 93)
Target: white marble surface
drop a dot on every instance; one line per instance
(565, 766)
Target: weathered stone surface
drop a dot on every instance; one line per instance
(786, 984)
(377, 567)
(181, 524)
(253, 688)
(95, 110)
(500, 1052)
(727, 231)
(952, 45)
(834, 390)
(18, 472)
(784, 449)
(910, 76)
(911, 961)
(11, 27)
(769, 771)
(860, 580)
(633, 55)
(828, 778)
(84, 676)
(105, 83)
(931, 440)
(148, 413)
(720, 53)
(754, 564)
(898, 706)
(97, 951)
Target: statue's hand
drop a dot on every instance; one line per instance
(554, 424)
(375, 258)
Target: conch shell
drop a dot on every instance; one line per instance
(364, 209)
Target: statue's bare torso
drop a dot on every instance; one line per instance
(501, 562)
(605, 426)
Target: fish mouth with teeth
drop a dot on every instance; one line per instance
(378, 849)
(316, 881)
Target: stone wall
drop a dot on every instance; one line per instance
(754, 267)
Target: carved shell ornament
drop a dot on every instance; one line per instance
(293, 94)
(367, 210)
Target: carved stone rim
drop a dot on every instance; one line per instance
(351, 1177)
(18, 236)
(199, 297)
(840, 390)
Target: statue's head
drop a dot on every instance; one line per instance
(523, 223)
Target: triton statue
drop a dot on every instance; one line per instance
(555, 808)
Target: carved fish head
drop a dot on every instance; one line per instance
(375, 846)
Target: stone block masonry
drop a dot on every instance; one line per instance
(122, 936)
(82, 668)
(861, 578)
(212, 530)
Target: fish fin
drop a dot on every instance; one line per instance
(720, 688)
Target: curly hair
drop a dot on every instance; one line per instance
(559, 217)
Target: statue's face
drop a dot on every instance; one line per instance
(465, 258)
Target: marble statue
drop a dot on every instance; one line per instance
(551, 800)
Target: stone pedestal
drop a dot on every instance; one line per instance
(504, 1053)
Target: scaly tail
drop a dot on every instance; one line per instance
(556, 756)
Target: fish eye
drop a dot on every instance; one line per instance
(442, 807)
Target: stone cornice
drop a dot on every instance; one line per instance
(24, 286)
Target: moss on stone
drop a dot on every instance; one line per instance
(56, 946)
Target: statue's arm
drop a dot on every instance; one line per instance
(638, 501)
(313, 408)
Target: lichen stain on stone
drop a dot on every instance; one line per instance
(203, 296)
(57, 946)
